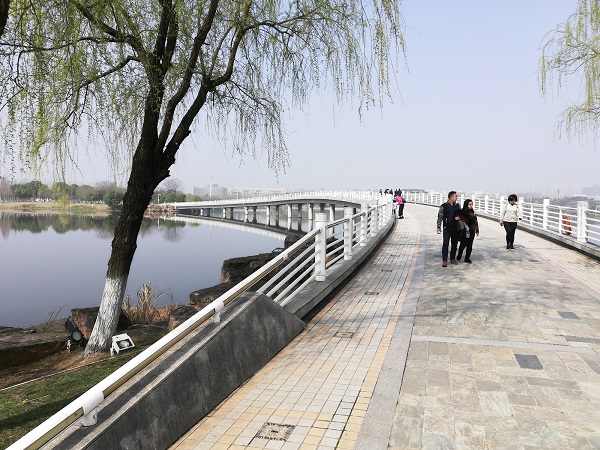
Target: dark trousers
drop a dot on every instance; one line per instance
(466, 243)
(449, 238)
(510, 228)
(401, 210)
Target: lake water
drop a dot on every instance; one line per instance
(50, 263)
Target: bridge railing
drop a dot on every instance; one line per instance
(581, 223)
(308, 259)
(357, 196)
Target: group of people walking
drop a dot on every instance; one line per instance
(398, 202)
(460, 225)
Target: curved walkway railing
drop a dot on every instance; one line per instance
(282, 278)
(354, 196)
(580, 225)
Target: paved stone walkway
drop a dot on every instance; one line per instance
(502, 353)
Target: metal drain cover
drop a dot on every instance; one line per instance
(275, 431)
(344, 334)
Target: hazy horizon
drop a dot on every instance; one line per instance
(467, 115)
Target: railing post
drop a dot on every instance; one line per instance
(320, 247)
(374, 221)
(560, 220)
(486, 207)
(331, 216)
(364, 226)
(348, 232)
(521, 209)
(581, 222)
(545, 204)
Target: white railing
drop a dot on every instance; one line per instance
(308, 259)
(356, 196)
(581, 224)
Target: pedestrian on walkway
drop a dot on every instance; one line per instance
(469, 229)
(447, 218)
(400, 201)
(509, 218)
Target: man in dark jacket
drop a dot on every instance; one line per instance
(446, 217)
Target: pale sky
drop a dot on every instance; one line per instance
(467, 114)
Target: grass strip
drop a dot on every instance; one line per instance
(25, 406)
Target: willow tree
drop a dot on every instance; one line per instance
(142, 74)
(572, 52)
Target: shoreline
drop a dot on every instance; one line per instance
(92, 209)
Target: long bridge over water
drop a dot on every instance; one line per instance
(502, 353)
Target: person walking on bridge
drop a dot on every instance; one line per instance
(447, 217)
(509, 218)
(468, 231)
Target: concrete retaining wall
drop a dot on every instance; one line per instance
(162, 403)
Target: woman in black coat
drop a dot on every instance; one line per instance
(468, 228)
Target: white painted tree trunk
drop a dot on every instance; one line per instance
(108, 315)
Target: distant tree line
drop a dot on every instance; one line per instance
(103, 192)
(570, 202)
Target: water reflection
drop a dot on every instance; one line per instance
(51, 261)
(63, 223)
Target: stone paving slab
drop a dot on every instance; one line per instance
(503, 353)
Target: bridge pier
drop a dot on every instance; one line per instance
(299, 216)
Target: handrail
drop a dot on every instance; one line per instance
(86, 405)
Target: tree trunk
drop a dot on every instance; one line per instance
(142, 182)
(4, 7)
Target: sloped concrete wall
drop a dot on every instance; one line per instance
(157, 407)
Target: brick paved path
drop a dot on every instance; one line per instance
(502, 353)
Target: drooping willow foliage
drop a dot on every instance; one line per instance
(73, 71)
(571, 52)
(140, 74)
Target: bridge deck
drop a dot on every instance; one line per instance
(502, 353)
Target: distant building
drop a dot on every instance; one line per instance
(215, 191)
(254, 192)
(592, 191)
(211, 191)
